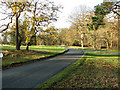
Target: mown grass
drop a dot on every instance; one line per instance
(87, 48)
(39, 48)
(10, 55)
(60, 77)
(94, 70)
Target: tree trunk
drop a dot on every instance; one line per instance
(108, 45)
(111, 41)
(100, 46)
(82, 40)
(82, 43)
(17, 34)
(111, 44)
(27, 48)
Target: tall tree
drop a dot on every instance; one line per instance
(43, 13)
(83, 22)
(101, 11)
(16, 9)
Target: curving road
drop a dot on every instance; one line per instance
(30, 75)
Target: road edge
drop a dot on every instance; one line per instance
(40, 86)
(32, 61)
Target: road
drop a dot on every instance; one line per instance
(30, 75)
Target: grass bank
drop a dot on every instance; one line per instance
(94, 70)
(12, 56)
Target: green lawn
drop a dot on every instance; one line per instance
(87, 48)
(16, 56)
(38, 48)
(94, 70)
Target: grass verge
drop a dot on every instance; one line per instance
(61, 76)
(12, 56)
(94, 70)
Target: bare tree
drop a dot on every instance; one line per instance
(41, 13)
(16, 8)
(82, 20)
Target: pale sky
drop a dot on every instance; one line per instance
(69, 5)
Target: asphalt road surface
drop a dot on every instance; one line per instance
(30, 75)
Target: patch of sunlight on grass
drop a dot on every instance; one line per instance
(15, 56)
(94, 70)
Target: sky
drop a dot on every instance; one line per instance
(69, 6)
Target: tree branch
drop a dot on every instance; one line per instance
(6, 25)
(116, 7)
